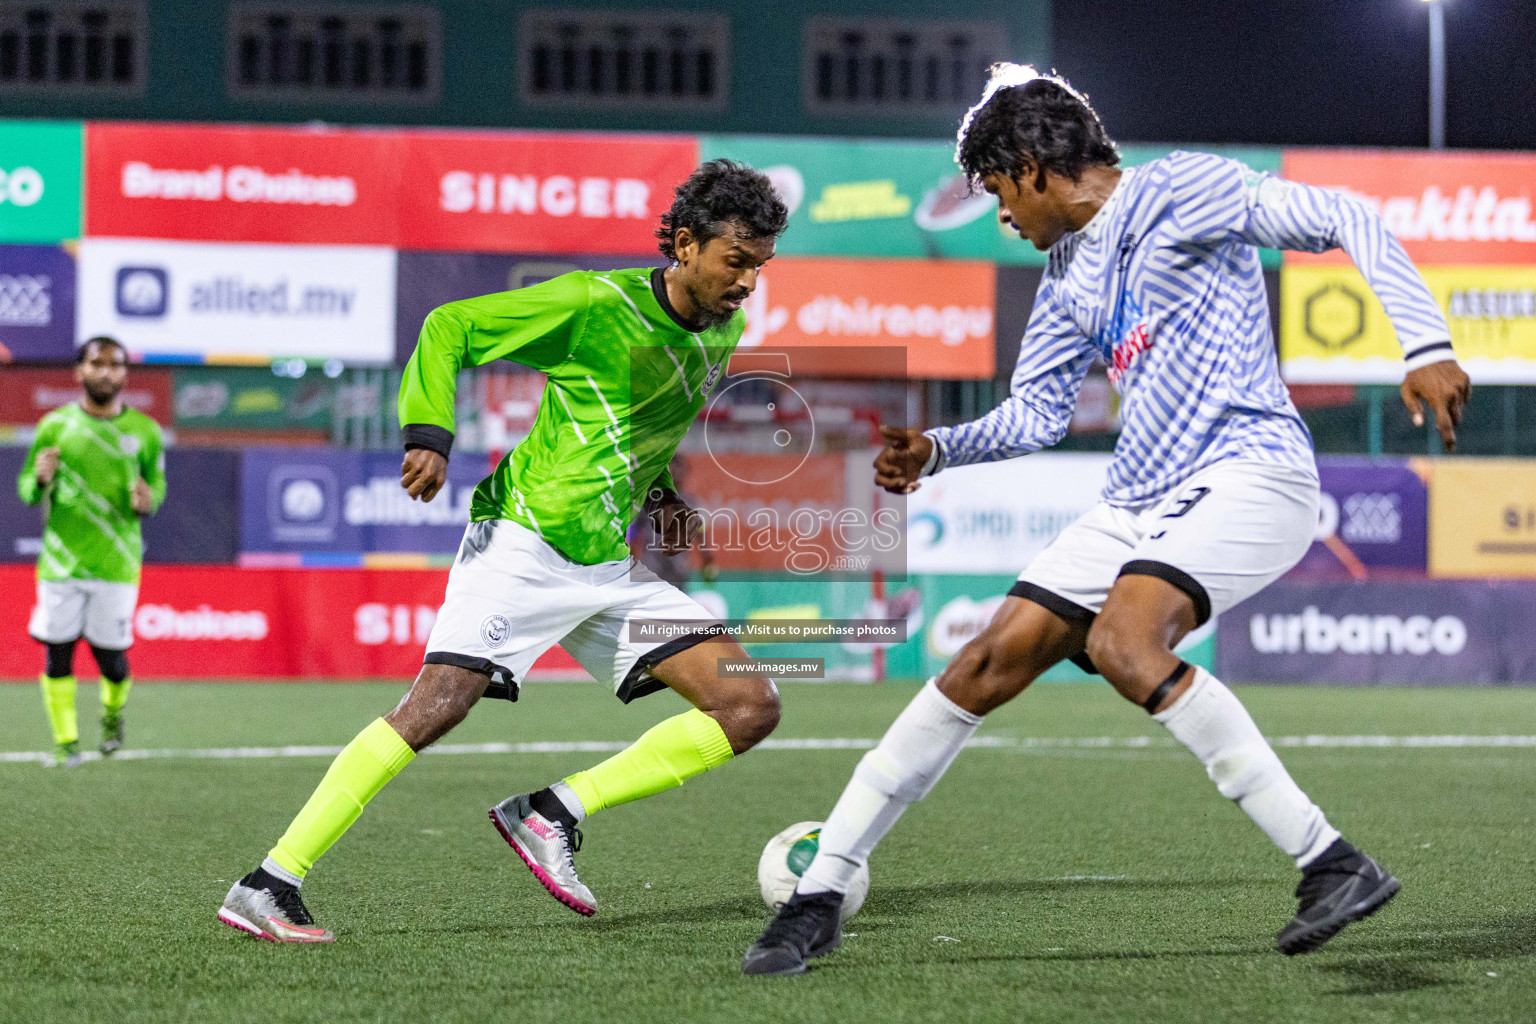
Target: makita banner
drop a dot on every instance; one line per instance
(1450, 632)
(214, 622)
(1444, 207)
(319, 499)
(1374, 516)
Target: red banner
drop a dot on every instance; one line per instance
(1444, 207)
(26, 395)
(531, 192)
(221, 622)
(942, 312)
(239, 184)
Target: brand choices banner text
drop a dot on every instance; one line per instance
(457, 190)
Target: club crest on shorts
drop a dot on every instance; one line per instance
(494, 630)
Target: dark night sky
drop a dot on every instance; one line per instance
(1305, 72)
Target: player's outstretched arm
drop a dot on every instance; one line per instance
(536, 326)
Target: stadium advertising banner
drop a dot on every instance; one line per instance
(1452, 632)
(429, 279)
(39, 181)
(1482, 517)
(898, 198)
(957, 608)
(538, 192)
(242, 184)
(37, 303)
(216, 622)
(198, 522)
(1374, 515)
(1468, 220)
(254, 398)
(1334, 330)
(328, 500)
(27, 394)
(941, 312)
(1444, 207)
(194, 300)
(997, 516)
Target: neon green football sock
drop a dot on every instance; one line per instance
(115, 695)
(669, 754)
(59, 700)
(374, 757)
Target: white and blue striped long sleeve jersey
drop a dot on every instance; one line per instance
(1164, 285)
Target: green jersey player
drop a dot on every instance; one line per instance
(97, 468)
(631, 356)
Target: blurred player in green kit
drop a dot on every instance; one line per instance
(97, 468)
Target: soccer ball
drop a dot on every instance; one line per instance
(785, 859)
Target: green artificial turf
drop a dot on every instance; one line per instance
(1035, 884)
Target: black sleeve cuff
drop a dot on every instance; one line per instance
(425, 435)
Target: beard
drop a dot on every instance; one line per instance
(102, 394)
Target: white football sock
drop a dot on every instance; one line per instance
(1214, 725)
(572, 802)
(915, 752)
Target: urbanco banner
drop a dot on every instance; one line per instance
(206, 300)
(1453, 632)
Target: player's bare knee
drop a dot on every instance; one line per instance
(1121, 654)
(436, 703)
(983, 676)
(750, 714)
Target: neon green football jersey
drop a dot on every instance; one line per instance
(91, 531)
(626, 379)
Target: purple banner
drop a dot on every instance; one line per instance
(37, 303)
(323, 500)
(426, 280)
(1452, 632)
(199, 522)
(1374, 516)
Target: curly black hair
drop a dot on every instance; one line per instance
(1045, 119)
(719, 193)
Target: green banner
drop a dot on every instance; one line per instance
(956, 608)
(40, 167)
(241, 397)
(902, 198)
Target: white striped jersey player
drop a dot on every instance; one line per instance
(1213, 476)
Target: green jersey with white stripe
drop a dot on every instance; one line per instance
(626, 379)
(91, 531)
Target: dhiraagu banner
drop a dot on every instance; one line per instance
(887, 197)
(40, 181)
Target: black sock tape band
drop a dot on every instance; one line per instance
(1158, 694)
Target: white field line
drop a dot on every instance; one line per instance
(609, 746)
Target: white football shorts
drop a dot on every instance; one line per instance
(1222, 536)
(512, 596)
(102, 612)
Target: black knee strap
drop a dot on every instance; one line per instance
(1158, 694)
(61, 660)
(113, 664)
